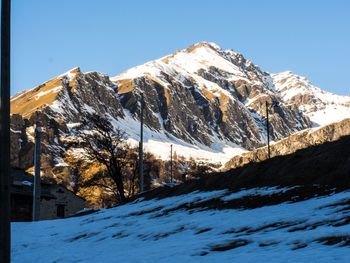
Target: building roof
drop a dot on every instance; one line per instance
(22, 183)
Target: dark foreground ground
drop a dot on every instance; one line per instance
(318, 169)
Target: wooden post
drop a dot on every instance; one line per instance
(5, 182)
(267, 129)
(171, 163)
(37, 179)
(141, 178)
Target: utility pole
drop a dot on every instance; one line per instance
(37, 180)
(171, 163)
(5, 226)
(141, 146)
(267, 107)
(267, 128)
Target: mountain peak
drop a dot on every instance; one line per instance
(205, 44)
(69, 73)
(321, 106)
(199, 56)
(289, 80)
(29, 101)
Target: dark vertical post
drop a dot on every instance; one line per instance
(267, 129)
(141, 146)
(37, 180)
(5, 233)
(171, 163)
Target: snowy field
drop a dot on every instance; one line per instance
(217, 226)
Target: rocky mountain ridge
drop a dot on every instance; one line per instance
(208, 102)
(224, 97)
(293, 143)
(320, 106)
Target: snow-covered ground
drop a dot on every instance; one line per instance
(187, 228)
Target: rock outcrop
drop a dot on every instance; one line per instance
(320, 106)
(293, 143)
(203, 94)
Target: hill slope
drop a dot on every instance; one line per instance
(295, 209)
(316, 229)
(293, 143)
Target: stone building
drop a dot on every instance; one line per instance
(56, 200)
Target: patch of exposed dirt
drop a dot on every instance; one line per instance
(342, 241)
(230, 245)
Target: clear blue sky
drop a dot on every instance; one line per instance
(311, 38)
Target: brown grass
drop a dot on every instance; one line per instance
(75, 71)
(224, 101)
(28, 102)
(167, 96)
(209, 95)
(125, 86)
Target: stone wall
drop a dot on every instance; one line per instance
(68, 199)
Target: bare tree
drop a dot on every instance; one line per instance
(131, 172)
(75, 174)
(106, 145)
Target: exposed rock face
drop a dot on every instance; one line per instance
(22, 149)
(75, 95)
(291, 144)
(204, 93)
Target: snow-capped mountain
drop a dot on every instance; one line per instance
(208, 102)
(320, 106)
(209, 96)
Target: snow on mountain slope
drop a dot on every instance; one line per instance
(159, 143)
(188, 63)
(199, 56)
(320, 106)
(208, 95)
(285, 227)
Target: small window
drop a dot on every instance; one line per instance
(60, 211)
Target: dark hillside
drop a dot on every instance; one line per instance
(318, 169)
